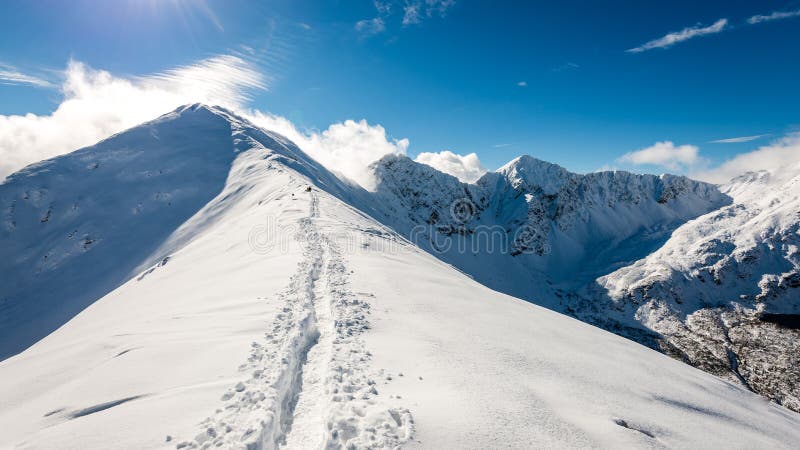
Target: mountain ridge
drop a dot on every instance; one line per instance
(287, 291)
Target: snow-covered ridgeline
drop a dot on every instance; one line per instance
(533, 218)
(216, 323)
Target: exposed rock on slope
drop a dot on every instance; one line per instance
(725, 289)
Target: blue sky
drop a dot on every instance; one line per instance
(576, 83)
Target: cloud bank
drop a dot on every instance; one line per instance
(346, 148)
(466, 168)
(680, 36)
(779, 157)
(664, 154)
(97, 104)
(782, 154)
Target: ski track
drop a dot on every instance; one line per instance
(309, 384)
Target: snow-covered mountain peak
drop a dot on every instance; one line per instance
(113, 204)
(199, 110)
(396, 169)
(754, 185)
(526, 173)
(747, 183)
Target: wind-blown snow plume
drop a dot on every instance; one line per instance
(346, 148)
(466, 168)
(97, 104)
(782, 154)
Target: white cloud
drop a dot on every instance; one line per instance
(346, 148)
(777, 15)
(664, 154)
(466, 168)
(567, 66)
(439, 7)
(737, 140)
(782, 154)
(11, 75)
(369, 27)
(97, 104)
(522, 83)
(415, 11)
(383, 7)
(680, 36)
(411, 14)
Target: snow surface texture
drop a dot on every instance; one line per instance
(280, 313)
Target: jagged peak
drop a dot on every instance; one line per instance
(528, 163)
(390, 158)
(396, 165)
(525, 170)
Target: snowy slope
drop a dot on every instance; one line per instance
(278, 316)
(65, 215)
(129, 193)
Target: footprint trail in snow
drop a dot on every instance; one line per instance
(309, 384)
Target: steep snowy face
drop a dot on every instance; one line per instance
(75, 227)
(572, 216)
(724, 290)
